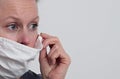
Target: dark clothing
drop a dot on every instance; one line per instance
(31, 75)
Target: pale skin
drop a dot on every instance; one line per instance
(19, 22)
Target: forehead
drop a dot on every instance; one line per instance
(19, 8)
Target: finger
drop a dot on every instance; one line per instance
(55, 47)
(50, 42)
(43, 55)
(54, 56)
(58, 56)
(44, 35)
(44, 65)
(50, 53)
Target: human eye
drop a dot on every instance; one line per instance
(12, 27)
(33, 26)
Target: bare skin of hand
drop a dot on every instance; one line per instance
(53, 65)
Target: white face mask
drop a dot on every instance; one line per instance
(14, 58)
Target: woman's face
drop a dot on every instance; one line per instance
(19, 21)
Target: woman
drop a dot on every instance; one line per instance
(19, 22)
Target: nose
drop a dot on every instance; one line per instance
(25, 41)
(24, 38)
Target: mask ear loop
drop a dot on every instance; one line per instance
(38, 43)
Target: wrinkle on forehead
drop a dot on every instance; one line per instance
(14, 2)
(19, 8)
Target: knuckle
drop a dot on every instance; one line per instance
(53, 56)
(56, 47)
(56, 38)
(69, 60)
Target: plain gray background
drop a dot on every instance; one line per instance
(89, 31)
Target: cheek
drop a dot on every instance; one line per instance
(28, 37)
(33, 39)
(8, 36)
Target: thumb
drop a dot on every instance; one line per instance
(43, 56)
(43, 59)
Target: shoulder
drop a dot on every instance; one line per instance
(31, 75)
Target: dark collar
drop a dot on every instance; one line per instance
(31, 75)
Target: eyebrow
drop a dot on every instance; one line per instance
(16, 18)
(37, 17)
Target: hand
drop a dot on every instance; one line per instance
(53, 65)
